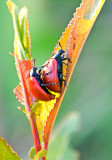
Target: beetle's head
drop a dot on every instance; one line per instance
(60, 52)
(33, 71)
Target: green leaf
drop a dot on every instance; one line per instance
(32, 153)
(6, 152)
(25, 31)
(22, 42)
(40, 154)
(60, 147)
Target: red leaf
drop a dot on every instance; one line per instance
(23, 69)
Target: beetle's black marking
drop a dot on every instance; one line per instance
(48, 84)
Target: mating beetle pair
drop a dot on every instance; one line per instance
(52, 77)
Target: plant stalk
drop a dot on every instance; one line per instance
(28, 109)
(34, 133)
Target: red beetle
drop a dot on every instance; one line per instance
(37, 87)
(54, 69)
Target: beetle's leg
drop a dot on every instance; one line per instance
(48, 84)
(44, 65)
(64, 63)
(64, 76)
(64, 82)
(66, 58)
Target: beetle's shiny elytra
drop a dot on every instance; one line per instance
(37, 87)
(54, 68)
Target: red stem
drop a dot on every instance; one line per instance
(28, 109)
(43, 158)
(35, 133)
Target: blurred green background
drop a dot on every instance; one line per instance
(90, 88)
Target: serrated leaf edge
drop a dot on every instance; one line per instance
(10, 148)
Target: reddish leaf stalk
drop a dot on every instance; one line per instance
(28, 109)
(43, 158)
(34, 132)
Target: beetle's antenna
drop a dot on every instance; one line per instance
(60, 45)
(34, 62)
